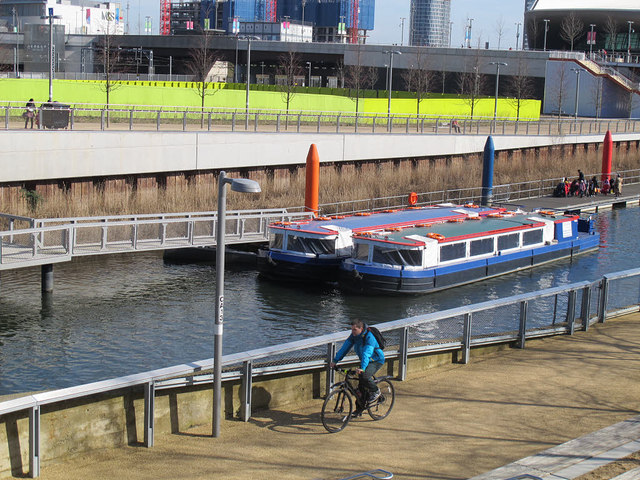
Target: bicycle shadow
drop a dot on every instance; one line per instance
(283, 421)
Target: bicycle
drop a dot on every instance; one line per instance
(337, 408)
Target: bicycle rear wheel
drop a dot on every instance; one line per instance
(336, 410)
(383, 405)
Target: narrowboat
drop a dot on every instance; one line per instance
(419, 259)
(312, 250)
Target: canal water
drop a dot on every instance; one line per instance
(116, 315)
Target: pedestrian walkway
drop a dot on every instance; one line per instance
(454, 422)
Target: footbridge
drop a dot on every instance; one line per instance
(30, 242)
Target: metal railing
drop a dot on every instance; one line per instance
(158, 118)
(58, 240)
(555, 311)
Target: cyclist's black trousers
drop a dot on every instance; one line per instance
(367, 384)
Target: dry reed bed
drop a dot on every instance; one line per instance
(338, 182)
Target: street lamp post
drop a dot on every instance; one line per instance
(50, 17)
(468, 39)
(402, 19)
(309, 64)
(242, 185)
(592, 40)
(546, 29)
(630, 22)
(517, 34)
(577, 71)
(391, 54)
(450, 30)
(248, 39)
(495, 105)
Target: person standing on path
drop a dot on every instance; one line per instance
(29, 113)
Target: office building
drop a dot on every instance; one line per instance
(429, 24)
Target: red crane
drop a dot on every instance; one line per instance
(270, 13)
(165, 17)
(355, 17)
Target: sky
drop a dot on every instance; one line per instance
(486, 14)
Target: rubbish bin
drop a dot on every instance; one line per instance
(54, 115)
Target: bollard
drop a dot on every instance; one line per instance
(46, 275)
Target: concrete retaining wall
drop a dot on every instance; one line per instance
(116, 419)
(46, 155)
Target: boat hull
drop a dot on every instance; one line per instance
(371, 280)
(288, 268)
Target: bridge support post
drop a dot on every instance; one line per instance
(247, 386)
(46, 276)
(331, 375)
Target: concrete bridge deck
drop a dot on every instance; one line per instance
(455, 422)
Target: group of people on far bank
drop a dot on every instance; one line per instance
(580, 187)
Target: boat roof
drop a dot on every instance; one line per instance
(386, 218)
(450, 231)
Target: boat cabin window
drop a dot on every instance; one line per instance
(482, 246)
(453, 251)
(506, 242)
(316, 246)
(362, 252)
(396, 256)
(532, 237)
(276, 241)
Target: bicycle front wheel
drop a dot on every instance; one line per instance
(381, 408)
(336, 410)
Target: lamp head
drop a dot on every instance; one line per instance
(244, 185)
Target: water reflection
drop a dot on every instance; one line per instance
(121, 314)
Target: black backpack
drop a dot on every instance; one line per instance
(378, 336)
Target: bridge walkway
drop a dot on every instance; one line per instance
(453, 422)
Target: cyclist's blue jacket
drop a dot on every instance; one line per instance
(366, 347)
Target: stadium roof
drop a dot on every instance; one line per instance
(565, 5)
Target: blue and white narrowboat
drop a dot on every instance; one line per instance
(312, 250)
(428, 257)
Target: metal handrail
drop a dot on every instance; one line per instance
(378, 473)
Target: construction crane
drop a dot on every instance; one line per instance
(355, 21)
(270, 10)
(165, 17)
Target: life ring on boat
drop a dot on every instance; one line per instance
(471, 205)
(363, 214)
(435, 236)
(394, 229)
(323, 218)
(455, 220)
(285, 223)
(390, 210)
(474, 217)
(495, 215)
(413, 198)
(420, 225)
(414, 208)
(338, 217)
(547, 212)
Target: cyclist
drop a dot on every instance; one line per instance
(371, 360)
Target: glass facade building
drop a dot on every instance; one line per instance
(430, 23)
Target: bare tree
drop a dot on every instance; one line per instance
(571, 28)
(533, 30)
(109, 55)
(558, 88)
(355, 79)
(611, 27)
(520, 86)
(500, 29)
(471, 84)
(201, 60)
(419, 78)
(596, 95)
(288, 70)
(340, 73)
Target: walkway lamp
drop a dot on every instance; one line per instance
(546, 29)
(577, 71)
(630, 22)
(592, 40)
(242, 185)
(248, 39)
(391, 53)
(495, 104)
(309, 64)
(517, 34)
(50, 17)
